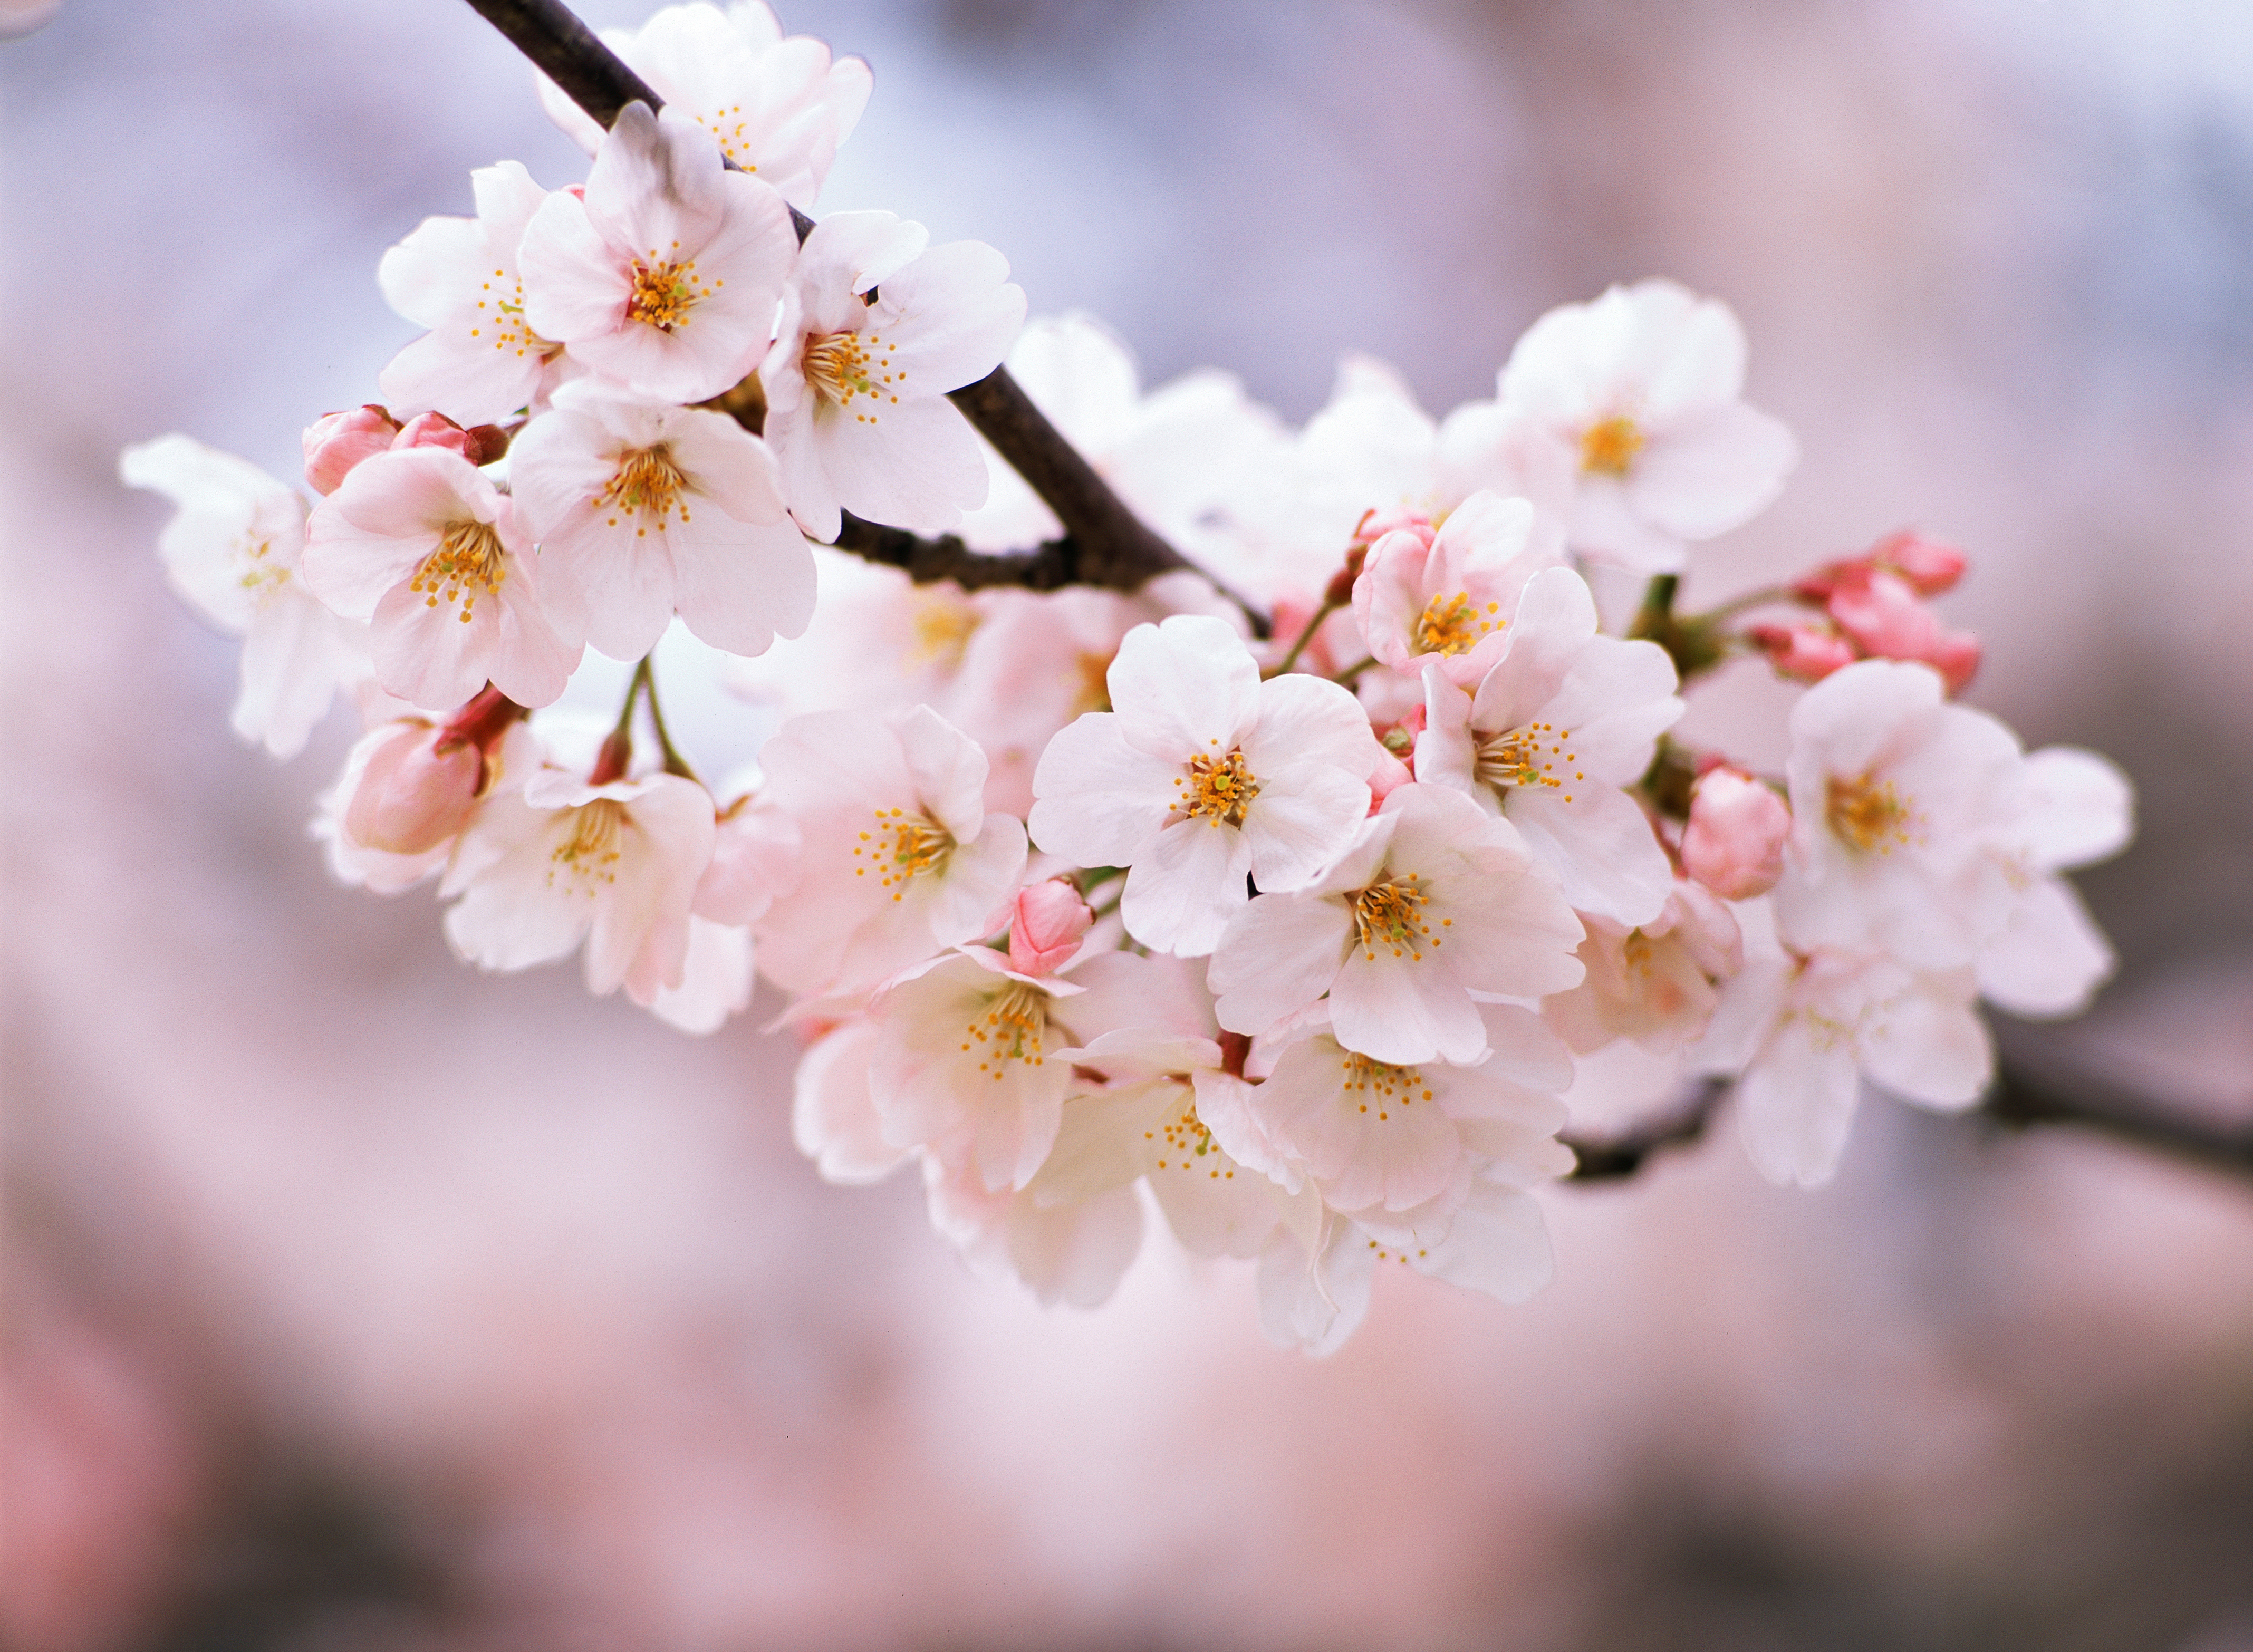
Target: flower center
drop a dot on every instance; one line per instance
(1608, 447)
(902, 846)
(1531, 755)
(665, 292)
(647, 482)
(943, 628)
(590, 854)
(1390, 914)
(844, 365)
(1183, 1138)
(1372, 1084)
(1453, 624)
(502, 319)
(468, 560)
(1009, 1031)
(1219, 789)
(1867, 812)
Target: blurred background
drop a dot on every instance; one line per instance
(356, 1302)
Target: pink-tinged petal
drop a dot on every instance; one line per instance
(1795, 1105)
(802, 458)
(1523, 1052)
(429, 658)
(1400, 1009)
(534, 658)
(716, 980)
(1498, 1243)
(575, 285)
(727, 465)
(1185, 887)
(1371, 1137)
(973, 899)
(1614, 702)
(1097, 800)
(511, 914)
(1185, 688)
(1931, 1046)
(1314, 1304)
(2079, 807)
(1605, 525)
(916, 464)
(429, 273)
(1444, 753)
(1303, 719)
(1278, 955)
(1855, 720)
(291, 656)
(655, 183)
(1601, 846)
(1555, 619)
(953, 314)
(1164, 997)
(1303, 817)
(1712, 470)
(2049, 957)
(640, 934)
(1688, 352)
(832, 1120)
(848, 252)
(558, 465)
(946, 767)
(738, 587)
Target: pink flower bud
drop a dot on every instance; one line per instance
(1045, 924)
(1886, 618)
(336, 442)
(434, 430)
(1733, 844)
(1927, 564)
(413, 796)
(1375, 524)
(1808, 652)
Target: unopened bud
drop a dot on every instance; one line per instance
(1887, 619)
(1928, 565)
(1808, 652)
(336, 442)
(434, 430)
(1046, 921)
(1733, 844)
(416, 791)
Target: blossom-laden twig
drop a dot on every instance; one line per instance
(1105, 544)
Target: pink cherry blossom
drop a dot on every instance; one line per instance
(1204, 774)
(1435, 901)
(336, 442)
(233, 551)
(480, 361)
(1734, 843)
(1448, 598)
(424, 544)
(875, 330)
(665, 276)
(654, 509)
(833, 1117)
(1884, 616)
(1642, 388)
(1808, 652)
(898, 858)
(1563, 719)
(563, 861)
(778, 108)
(1655, 985)
(1046, 923)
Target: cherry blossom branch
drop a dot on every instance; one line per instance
(2020, 1098)
(1106, 544)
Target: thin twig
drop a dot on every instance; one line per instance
(2056, 1095)
(1106, 543)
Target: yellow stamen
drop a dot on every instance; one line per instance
(1390, 914)
(1866, 813)
(468, 560)
(1609, 448)
(1217, 789)
(902, 848)
(1453, 624)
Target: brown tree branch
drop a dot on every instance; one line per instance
(1105, 543)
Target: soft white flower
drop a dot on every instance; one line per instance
(233, 550)
(2048, 956)
(653, 508)
(666, 274)
(1200, 775)
(422, 543)
(856, 390)
(1564, 720)
(777, 107)
(564, 860)
(898, 858)
(1804, 1030)
(833, 1117)
(1073, 1253)
(480, 361)
(717, 974)
(1641, 389)
(1435, 901)
(1655, 984)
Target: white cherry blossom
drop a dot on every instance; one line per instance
(1435, 901)
(2047, 957)
(898, 858)
(1073, 1253)
(421, 543)
(233, 550)
(1564, 719)
(833, 1117)
(875, 330)
(480, 361)
(1655, 984)
(666, 273)
(1448, 598)
(654, 509)
(778, 107)
(1641, 389)
(564, 860)
(1200, 775)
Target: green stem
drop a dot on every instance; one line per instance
(675, 763)
(1305, 636)
(1351, 675)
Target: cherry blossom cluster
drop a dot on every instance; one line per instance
(1277, 901)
